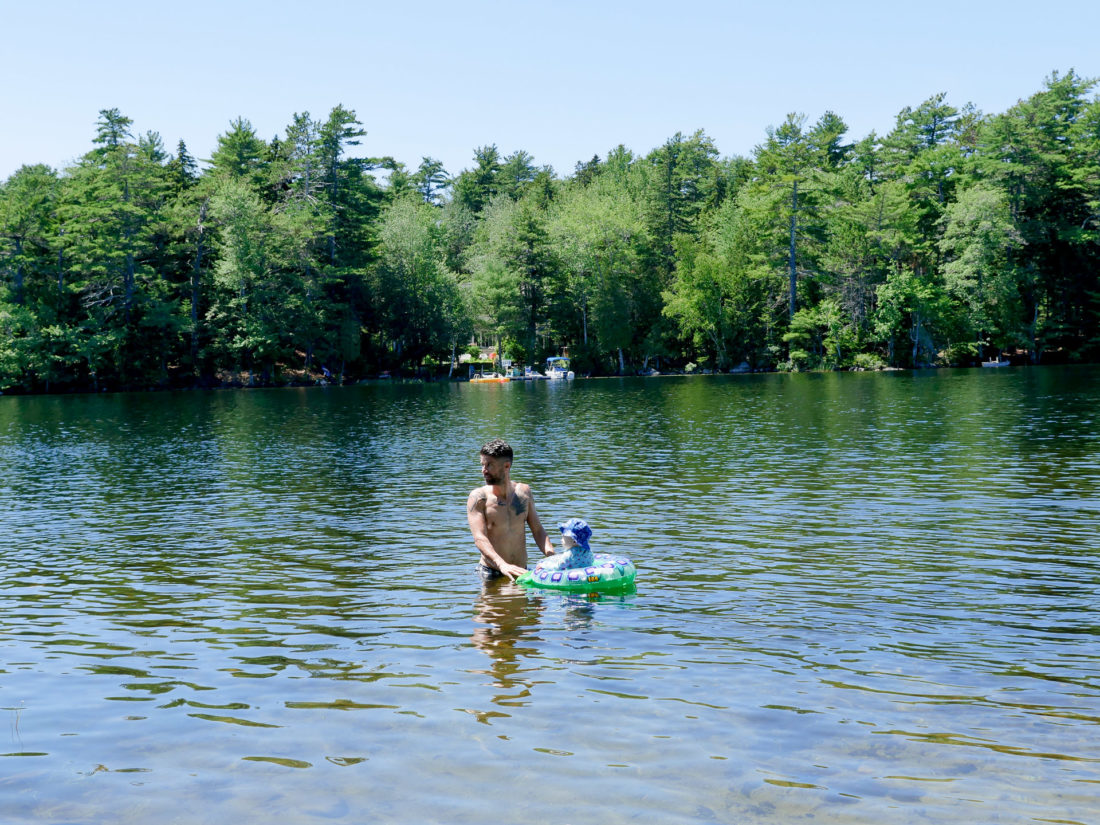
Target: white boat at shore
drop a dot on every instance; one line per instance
(557, 367)
(998, 363)
(526, 374)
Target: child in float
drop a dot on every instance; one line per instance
(575, 534)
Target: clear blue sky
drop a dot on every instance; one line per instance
(561, 80)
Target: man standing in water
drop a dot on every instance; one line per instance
(499, 514)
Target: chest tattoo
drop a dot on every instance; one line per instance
(519, 504)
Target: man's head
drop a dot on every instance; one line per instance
(496, 461)
(497, 448)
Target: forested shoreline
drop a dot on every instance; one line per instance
(956, 237)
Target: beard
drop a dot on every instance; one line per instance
(490, 478)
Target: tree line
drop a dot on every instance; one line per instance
(955, 237)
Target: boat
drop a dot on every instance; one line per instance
(998, 363)
(490, 378)
(525, 374)
(557, 367)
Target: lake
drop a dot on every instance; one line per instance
(861, 598)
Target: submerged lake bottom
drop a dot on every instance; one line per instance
(860, 599)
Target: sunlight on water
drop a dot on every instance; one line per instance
(862, 598)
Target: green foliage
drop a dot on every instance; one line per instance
(599, 232)
(868, 361)
(240, 153)
(820, 337)
(515, 270)
(475, 188)
(912, 307)
(794, 166)
(420, 305)
(701, 300)
(955, 236)
(979, 241)
(514, 350)
(430, 180)
(683, 180)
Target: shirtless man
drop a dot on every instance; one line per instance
(499, 514)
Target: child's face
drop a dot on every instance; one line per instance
(567, 542)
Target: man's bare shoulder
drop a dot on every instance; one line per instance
(477, 499)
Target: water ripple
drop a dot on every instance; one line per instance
(862, 598)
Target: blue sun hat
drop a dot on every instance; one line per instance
(578, 530)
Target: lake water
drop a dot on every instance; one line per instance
(862, 598)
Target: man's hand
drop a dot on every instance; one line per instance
(512, 571)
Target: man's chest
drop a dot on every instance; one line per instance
(505, 512)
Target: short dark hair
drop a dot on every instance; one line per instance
(497, 448)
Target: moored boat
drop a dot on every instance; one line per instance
(557, 367)
(525, 374)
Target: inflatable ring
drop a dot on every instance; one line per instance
(606, 574)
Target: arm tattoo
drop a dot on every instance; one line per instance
(519, 505)
(477, 502)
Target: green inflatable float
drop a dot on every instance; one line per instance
(577, 569)
(606, 574)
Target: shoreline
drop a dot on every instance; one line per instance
(321, 382)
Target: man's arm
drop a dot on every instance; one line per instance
(475, 516)
(542, 541)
